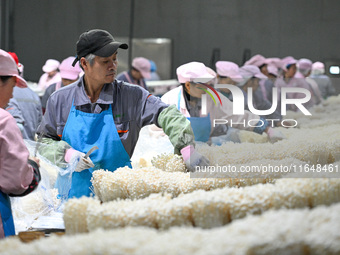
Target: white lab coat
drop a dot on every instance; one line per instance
(297, 82)
(45, 81)
(316, 90)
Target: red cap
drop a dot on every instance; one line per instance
(9, 68)
(14, 56)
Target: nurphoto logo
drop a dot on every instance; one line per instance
(238, 103)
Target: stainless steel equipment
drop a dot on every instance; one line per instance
(157, 49)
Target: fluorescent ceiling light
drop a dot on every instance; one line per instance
(334, 70)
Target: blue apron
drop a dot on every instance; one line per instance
(6, 215)
(85, 130)
(201, 126)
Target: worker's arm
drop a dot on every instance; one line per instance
(53, 148)
(180, 133)
(177, 127)
(17, 174)
(173, 123)
(54, 151)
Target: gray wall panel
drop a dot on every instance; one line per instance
(273, 28)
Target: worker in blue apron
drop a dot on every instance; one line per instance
(103, 111)
(84, 130)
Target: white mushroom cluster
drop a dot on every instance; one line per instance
(323, 115)
(300, 231)
(76, 215)
(37, 203)
(41, 202)
(169, 162)
(313, 146)
(139, 183)
(162, 209)
(204, 209)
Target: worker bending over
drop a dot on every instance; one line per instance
(98, 110)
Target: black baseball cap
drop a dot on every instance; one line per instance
(98, 42)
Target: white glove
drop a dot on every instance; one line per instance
(82, 162)
(193, 159)
(275, 135)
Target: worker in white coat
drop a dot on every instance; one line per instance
(193, 78)
(265, 85)
(304, 70)
(51, 74)
(324, 82)
(228, 73)
(289, 80)
(252, 79)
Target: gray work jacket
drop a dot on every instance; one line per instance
(133, 107)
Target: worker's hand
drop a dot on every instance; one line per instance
(275, 135)
(36, 160)
(84, 163)
(193, 159)
(72, 156)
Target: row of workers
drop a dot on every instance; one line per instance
(195, 78)
(96, 110)
(262, 76)
(274, 72)
(100, 110)
(277, 73)
(142, 70)
(289, 72)
(26, 106)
